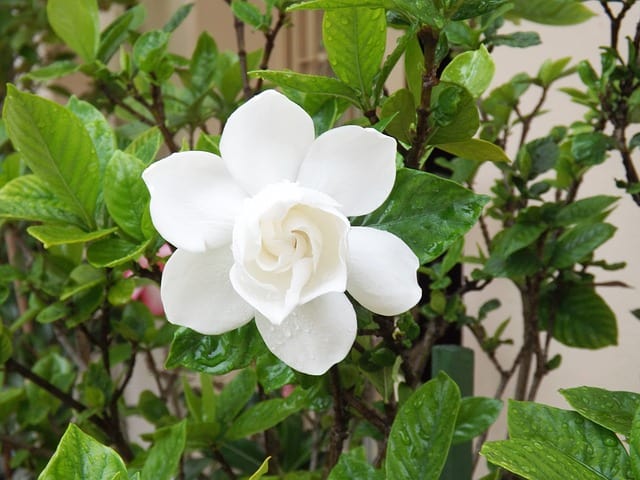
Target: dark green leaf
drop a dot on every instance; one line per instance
(613, 410)
(178, 17)
(584, 441)
(217, 354)
(235, 395)
(117, 32)
(6, 345)
(454, 116)
(153, 408)
(110, 252)
(475, 416)
(517, 39)
(79, 456)
(590, 148)
(634, 444)
(422, 431)
(51, 235)
(426, 211)
(475, 8)
(273, 373)
(579, 242)
(584, 209)
(164, 456)
(203, 64)
(402, 107)
(308, 83)
(56, 147)
(76, 23)
(354, 465)
(391, 60)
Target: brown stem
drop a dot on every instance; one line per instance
(340, 419)
(238, 26)
(368, 413)
(157, 110)
(270, 42)
(616, 20)
(217, 454)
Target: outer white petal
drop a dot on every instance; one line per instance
(382, 271)
(196, 292)
(315, 336)
(265, 140)
(356, 166)
(193, 200)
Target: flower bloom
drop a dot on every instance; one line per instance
(262, 232)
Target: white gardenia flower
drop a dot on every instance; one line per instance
(262, 231)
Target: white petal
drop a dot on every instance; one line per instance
(197, 293)
(315, 336)
(356, 166)
(193, 200)
(265, 140)
(382, 271)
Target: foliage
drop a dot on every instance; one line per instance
(82, 260)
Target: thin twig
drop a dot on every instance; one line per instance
(340, 420)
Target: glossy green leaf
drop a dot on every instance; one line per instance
(118, 31)
(475, 149)
(29, 198)
(476, 415)
(333, 4)
(164, 457)
(422, 431)
(355, 39)
(428, 212)
(235, 395)
(584, 441)
(581, 318)
(273, 373)
(98, 128)
(109, 252)
(266, 414)
(475, 8)
(516, 237)
(552, 12)
(414, 68)
(57, 148)
(77, 23)
(125, 194)
(354, 464)
(634, 444)
(215, 354)
(264, 468)
(591, 148)
(584, 209)
(579, 242)
(149, 49)
(145, 146)
(454, 116)
(80, 457)
(534, 460)
(472, 70)
(614, 410)
(308, 83)
(51, 235)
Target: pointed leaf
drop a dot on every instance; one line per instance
(77, 23)
(354, 464)
(51, 235)
(308, 83)
(475, 416)
(552, 12)
(472, 70)
(476, 149)
(101, 133)
(164, 456)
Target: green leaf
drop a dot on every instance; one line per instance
(215, 354)
(552, 12)
(392, 59)
(110, 252)
(77, 23)
(203, 64)
(57, 148)
(584, 209)
(422, 431)
(235, 395)
(28, 198)
(590, 148)
(264, 468)
(535, 460)
(146, 145)
(354, 465)
(402, 107)
(53, 71)
(614, 410)
(454, 116)
(80, 457)
(475, 416)
(428, 212)
(81, 278)
(272, 372)
(355, 39)
(308, 83)
(586, 442)
(550, 70)
(475, 149)
(581, 318)
(117, 32)
(164, 456)
(249, 14)
(125, 194)
(51, 235)
(516, 237)
(579, 242)
(634, 444)
(266, 414)
(6, 345)
(149, 49)
(475, 8)
(472, 70)
(178, 17)
(517, 39)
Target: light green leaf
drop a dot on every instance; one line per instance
(401, 106)
(80, 457)
(264, 468)
(53, 71)
(178, 17)
(101, 133)
(117, 32)
(535, 460)
(77, 23)
(308, 83)
(56, 147)
(421, 433)
(149, 49)
(334, 4)
(110, 252)
(551, 70)
(476, 414)
(28, 198)
(475, 149)
(164, 456)
(614, 410)
(579, 242)
(428, 212)
(584, 441)
(249, 14)
(354, 465)
(392, 59)
(472, 70)
(355, 41)
(125, 194)
(146, 145)
(552, 12)
(51, 235)
(475, 8)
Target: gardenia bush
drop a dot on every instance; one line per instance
(306, 236)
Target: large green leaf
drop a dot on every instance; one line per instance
(583, 210)
(421, 433)
(355, 41)
(164, 456)
(428, 212)
(215, 354)
(29, 198)
(552, 12)
(80, 457)
(472, 70)
(475, 416)
(125, 194)
(634, 445)
(580, 317)
(534, 460)
(77, 23)
(579, 242)
(51, 235)
(101, 133)
(146, 145)
(308, 83)
(56, 147)
(567, 431)
(613, 410)
(475, 149)
(354, 465)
